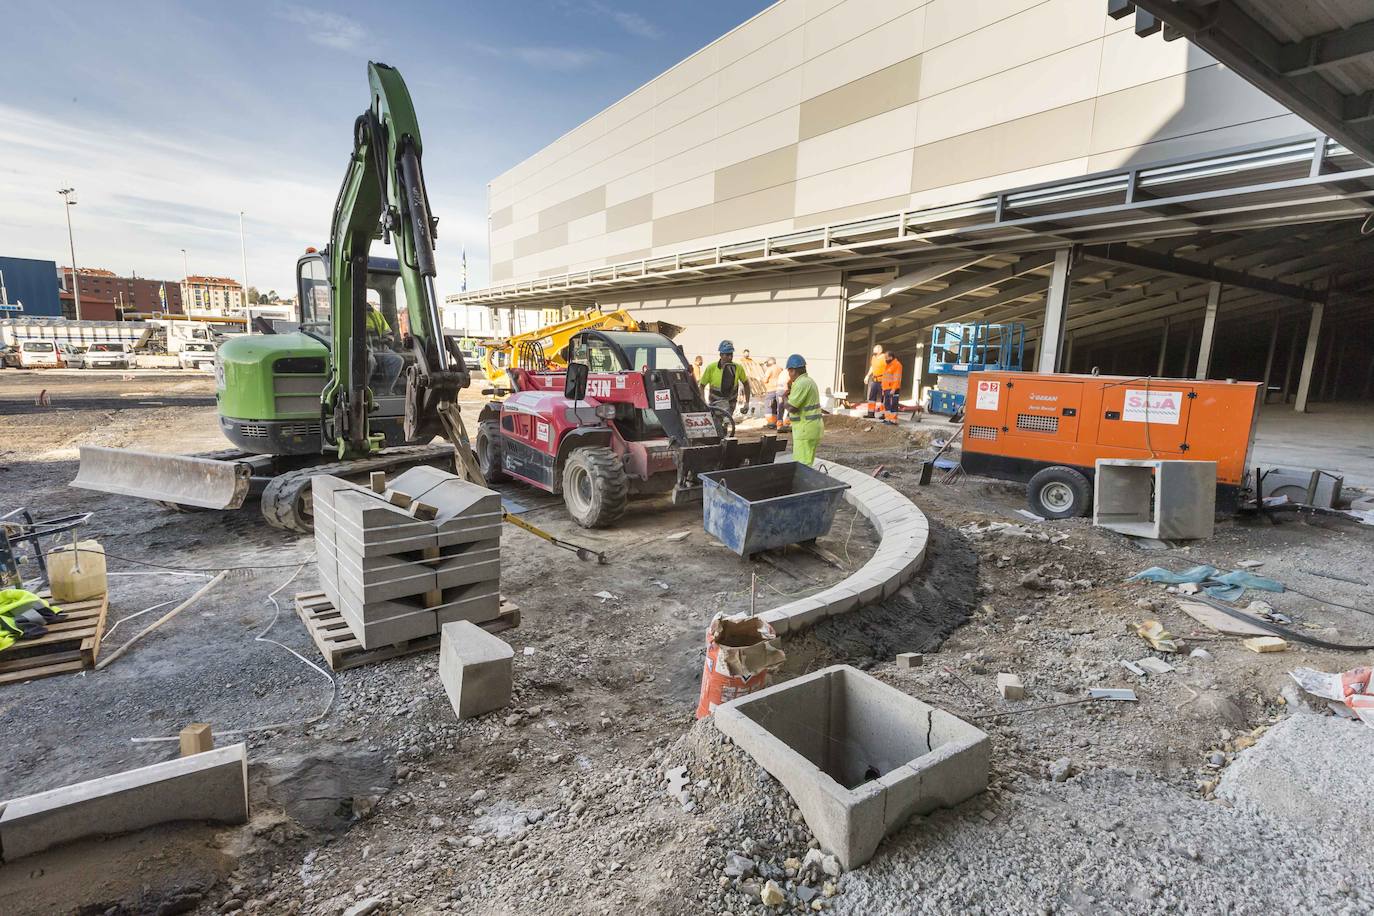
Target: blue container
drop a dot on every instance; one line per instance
(768, 505)
(945, 402)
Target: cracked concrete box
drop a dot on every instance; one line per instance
(858, 757)
(210, 786)
(475, 668)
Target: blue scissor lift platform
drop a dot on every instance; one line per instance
(958, 348)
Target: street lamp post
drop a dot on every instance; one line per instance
(243, 253)
(185, 284)
(68, 203)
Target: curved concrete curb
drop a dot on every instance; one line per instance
(904, 532)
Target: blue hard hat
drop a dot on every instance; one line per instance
(796, 361)
(726, 347)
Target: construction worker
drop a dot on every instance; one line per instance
(775, 384)
(892, 386)
(804, 404)
(873, 379)
(721, 381)
(387, 363)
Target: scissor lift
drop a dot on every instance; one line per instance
(958, 348)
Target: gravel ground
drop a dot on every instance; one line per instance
(1200, 797)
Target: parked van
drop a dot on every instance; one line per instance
(39, 354)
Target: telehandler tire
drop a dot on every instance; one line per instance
(488, 449)
(595, 488)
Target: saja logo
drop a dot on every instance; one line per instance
(1152, 406)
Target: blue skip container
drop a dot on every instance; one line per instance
(768, 505)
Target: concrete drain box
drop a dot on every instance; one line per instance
(1157, 498)
(858, 757)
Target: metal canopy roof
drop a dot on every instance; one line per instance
(1316, 57)
(1283, 184)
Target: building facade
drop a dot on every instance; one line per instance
(204, 296)
(129, 295)
(28, 288)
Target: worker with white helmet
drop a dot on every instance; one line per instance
(804, 405)
(722, 380)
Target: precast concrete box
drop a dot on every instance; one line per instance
(858, 757)
(1156, 498)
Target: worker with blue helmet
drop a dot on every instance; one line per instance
(722, 380)
(804, 404)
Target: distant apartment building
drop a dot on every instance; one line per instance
(119, 296)
(212, 296)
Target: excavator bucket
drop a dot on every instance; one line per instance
(181, 479)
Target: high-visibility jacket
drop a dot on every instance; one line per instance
(804, 403)
(726, 386)
(876, 367)
(892, 375)
(376, 323)
(13, 602)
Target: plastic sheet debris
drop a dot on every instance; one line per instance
(1152, 665)
(1112, 693)
(1223, 586)
(1349, 689)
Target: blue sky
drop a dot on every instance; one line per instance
(169, 118)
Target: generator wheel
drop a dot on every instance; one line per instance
(1059, 492)
(595, 488)
(489, 451)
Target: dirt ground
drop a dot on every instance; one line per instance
(374, 794)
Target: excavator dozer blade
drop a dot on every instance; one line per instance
(181, 479)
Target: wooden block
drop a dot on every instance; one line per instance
(399, 499)
(424, 512)
(377, 481)
(196, 738)
(434, 597)
(1266, 644)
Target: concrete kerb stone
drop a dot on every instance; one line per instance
(822, 734)
(475, 668)
(210, 786)
(904, 532)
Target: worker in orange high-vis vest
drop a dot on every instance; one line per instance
(873, 378)
(892, 385)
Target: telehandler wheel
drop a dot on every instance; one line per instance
(595, 488)
(488, 448)
(1059, 492)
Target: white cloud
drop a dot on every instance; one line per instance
(545, 57)
(635, 24)
(323, 27)
(143, 197)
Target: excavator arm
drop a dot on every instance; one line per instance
(383, 196)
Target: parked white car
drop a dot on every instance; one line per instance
(197, 356)
(40, 354)
(108, 355)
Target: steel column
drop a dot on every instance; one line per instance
(1309, 358)
(1269, 358)
(1209, 331)
(1056, 312)
(1163, 349)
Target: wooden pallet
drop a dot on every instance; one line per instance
(71, 643)
(341, 649)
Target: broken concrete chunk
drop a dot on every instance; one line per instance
(772, 895)
(1010, 686)
(1266, 644)
(737, 866)
(910, 660)
(1152, 665)
(1059, 770)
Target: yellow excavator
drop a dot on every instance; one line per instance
(546, 347)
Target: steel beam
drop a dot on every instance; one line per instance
(1047, 356)
(1209, 331)
(907, 281)
(1136, 256)
(958, 289)
(1309, 358)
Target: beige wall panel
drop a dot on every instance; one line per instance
(889, 88)
(896, 41)
(846, 21)
(522, 227)
(886, 176)
(625, 164)
(1128, 60)
(880, 135)
(502, 271)
(630, 187)
(1038, 139)
(765, 171)
(679, 227)
(500, 219)
(758, 138)
(630, 213)
(583, 204)
(992, 184)
(1060, 79)
(878, 207)
(627, 109)
(750, 210)
(683, 167)
(688, 103)
(1200, 100)
(772, 60)
(696, 192)
(631, 238)
(769, 25)
(687, 73)
(639, 130)
(1275, 128)
(763, 101)
(587, 227)
(748, 233)
(946, 20)
(503, 251)
(687, 135)
(1053, 26)
(541, 241)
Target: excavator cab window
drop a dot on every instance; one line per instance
(316, 305)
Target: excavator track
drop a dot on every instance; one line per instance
(286, 500)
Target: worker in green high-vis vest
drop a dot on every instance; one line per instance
(804, 405)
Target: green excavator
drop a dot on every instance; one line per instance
(348, 388)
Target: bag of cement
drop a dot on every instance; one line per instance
(1352, 688)
(740, 652)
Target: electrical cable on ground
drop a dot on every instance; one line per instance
(187, 569)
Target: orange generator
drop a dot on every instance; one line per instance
(1049, 430)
